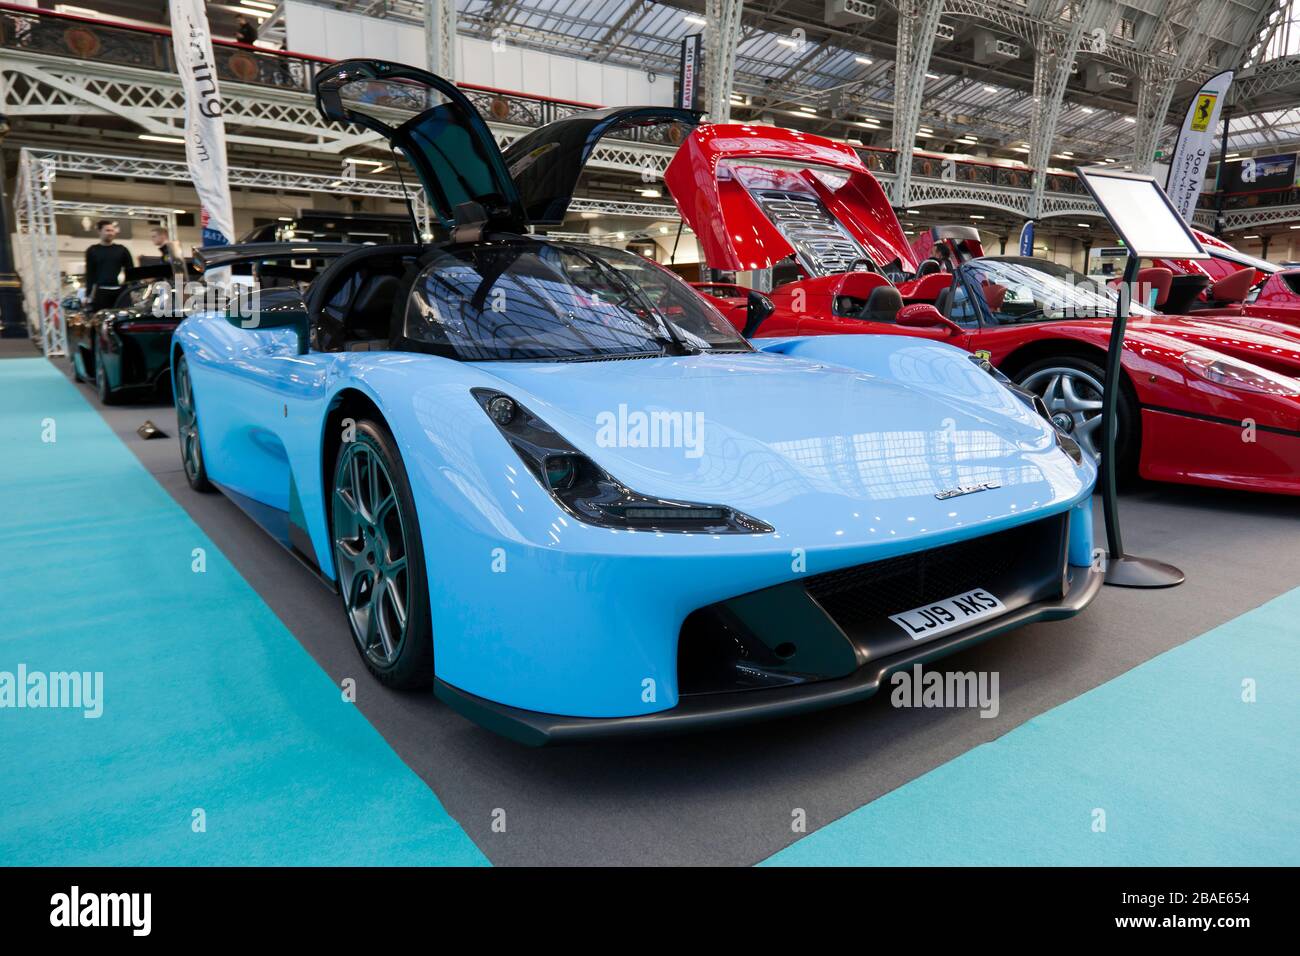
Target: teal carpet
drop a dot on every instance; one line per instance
(1185, 772)
(209, 703)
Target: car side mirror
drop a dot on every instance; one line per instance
(922, 315)
(280, 308)
(757, 308)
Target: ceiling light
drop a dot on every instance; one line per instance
(933, 76)
(976, 216)
(651, 193)
(1019, 149)
(692, 18)
(663, 230)
(864, 60)
(810, 110)
(286, 219)
(990, 89)
(926, 130)
(1250, 237)
(258, 4)
(162, 139)
(1088, 109)
(1130, 119)
(1084, 225)
(787, 41)
(1232, 156)
(1108, 160)
(362, 162)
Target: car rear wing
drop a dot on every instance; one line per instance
(208, 258)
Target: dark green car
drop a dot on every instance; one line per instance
(126, 349)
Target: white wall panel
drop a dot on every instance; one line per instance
(613, 85)
(474, 61)
(536, 76)
(564, 78)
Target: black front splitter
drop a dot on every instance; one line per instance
(712, 711)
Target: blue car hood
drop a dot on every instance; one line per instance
(806, 444)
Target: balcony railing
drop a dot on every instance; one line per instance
(150, 48)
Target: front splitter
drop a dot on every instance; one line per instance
(713, 711)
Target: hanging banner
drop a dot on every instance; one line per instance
(1196, 142)
(1027, 238)
(205, 130)
(1259, 174)
(688, 86)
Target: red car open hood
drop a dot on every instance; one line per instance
(821, 204)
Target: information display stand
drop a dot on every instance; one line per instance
(1145, 219)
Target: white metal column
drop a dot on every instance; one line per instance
(721, 37)
(38, 238)
(917, 22)
(440, 36)
(1053, 59)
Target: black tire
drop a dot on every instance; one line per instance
(1128, 440)
(385, 593)
(187, 428)
(105, 391)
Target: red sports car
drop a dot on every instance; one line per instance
(1208, 398)
(732, 301)
(1232, 283)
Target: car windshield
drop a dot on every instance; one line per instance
(1018, 289)
(525, 299)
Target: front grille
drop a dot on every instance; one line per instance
(858, 598)
(822, 627)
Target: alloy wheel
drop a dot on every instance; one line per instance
(187, 423)
(1074, 399)
(370, 547)
(101, 379)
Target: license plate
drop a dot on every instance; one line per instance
(950, 614)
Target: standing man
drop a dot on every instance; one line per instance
(168, 252)
(245, 32)
(105, 262)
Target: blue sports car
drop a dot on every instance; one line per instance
(552, 480)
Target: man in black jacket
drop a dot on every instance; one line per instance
(105, 262)
(245, 32)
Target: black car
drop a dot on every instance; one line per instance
(125, 348)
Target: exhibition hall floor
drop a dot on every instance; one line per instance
(221, 695)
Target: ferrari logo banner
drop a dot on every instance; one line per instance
(1196, 145)
(205, 130)
(1203, 110)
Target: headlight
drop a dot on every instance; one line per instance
(588, 492)
(1235, 373)
(1063, 441)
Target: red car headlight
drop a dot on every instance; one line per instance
(1235, 373)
